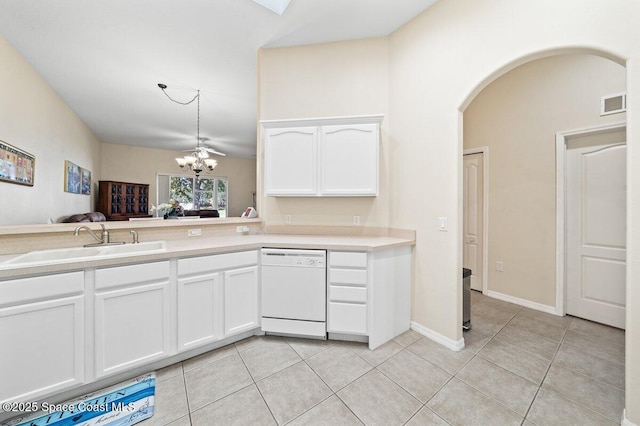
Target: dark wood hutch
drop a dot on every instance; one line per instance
(123, 200)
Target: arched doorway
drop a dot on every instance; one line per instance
(516, 118)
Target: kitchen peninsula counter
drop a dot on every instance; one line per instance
(205, 245)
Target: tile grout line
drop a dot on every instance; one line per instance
(423, 405)
(589, 409)
(547, 370)
(186, 393)
(256, 384)
(586, 335)
(285, 340)
(333, 393)
(588, 375)
(477, 354)
(190, 412)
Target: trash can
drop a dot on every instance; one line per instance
(466, 299)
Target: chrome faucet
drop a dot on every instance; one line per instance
(135, 236)
(102, 239)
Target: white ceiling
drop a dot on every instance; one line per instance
(105, 58)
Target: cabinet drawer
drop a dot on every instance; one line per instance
(347, 318)
(46, 287)
(197, 265)
(348, 259)
(348, 276)
(338, 293)
(123, 275)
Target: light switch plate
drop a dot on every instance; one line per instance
(443, 224)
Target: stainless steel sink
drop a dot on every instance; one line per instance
(68, 255)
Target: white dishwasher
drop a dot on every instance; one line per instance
(294, 292)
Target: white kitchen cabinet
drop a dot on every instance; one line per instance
(42, 340)
(241, 300)
(291, 165)
(347, 293)
(199, 309)
(218, 296)
(132, 316)
(369, 294)
(390, 294)
(322, 156)
(349, 160)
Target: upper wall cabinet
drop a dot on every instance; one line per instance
(291, 161)
(332, 157)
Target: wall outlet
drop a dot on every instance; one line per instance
(287, 219)
(242, 229)
(356, 220)
(194, 232)
(499, 266)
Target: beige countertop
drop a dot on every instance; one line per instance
(201, 246)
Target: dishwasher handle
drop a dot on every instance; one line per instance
(293, 258)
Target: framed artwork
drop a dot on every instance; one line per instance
(85, 185)
(16, 165)
(71, 177)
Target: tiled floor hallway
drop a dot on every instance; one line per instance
(519, 367)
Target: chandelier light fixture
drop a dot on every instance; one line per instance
(199, 160)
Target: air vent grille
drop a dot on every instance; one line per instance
(613, 104)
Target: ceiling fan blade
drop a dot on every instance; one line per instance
(213, 151)
(204, 149)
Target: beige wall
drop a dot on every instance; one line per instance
(34, 119)
(327, 80)
(141, 165)
(517, 117)
(438, 62)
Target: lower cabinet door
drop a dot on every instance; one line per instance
(241, 300)
(199, 310)
(42, 348)
(132, 327)
(347, 318)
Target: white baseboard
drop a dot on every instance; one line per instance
(625, 421)
(438, 338)
(523, 302)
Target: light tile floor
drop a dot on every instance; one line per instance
(519, 367)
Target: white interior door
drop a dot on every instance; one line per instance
(596, 230)
(473, 188)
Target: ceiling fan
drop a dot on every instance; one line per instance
(199, 160)
(202, 151)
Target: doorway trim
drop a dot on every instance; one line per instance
(561, 207)
(484, 150)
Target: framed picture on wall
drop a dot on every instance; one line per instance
(16, 165)
(85, 183)
(71, 177)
